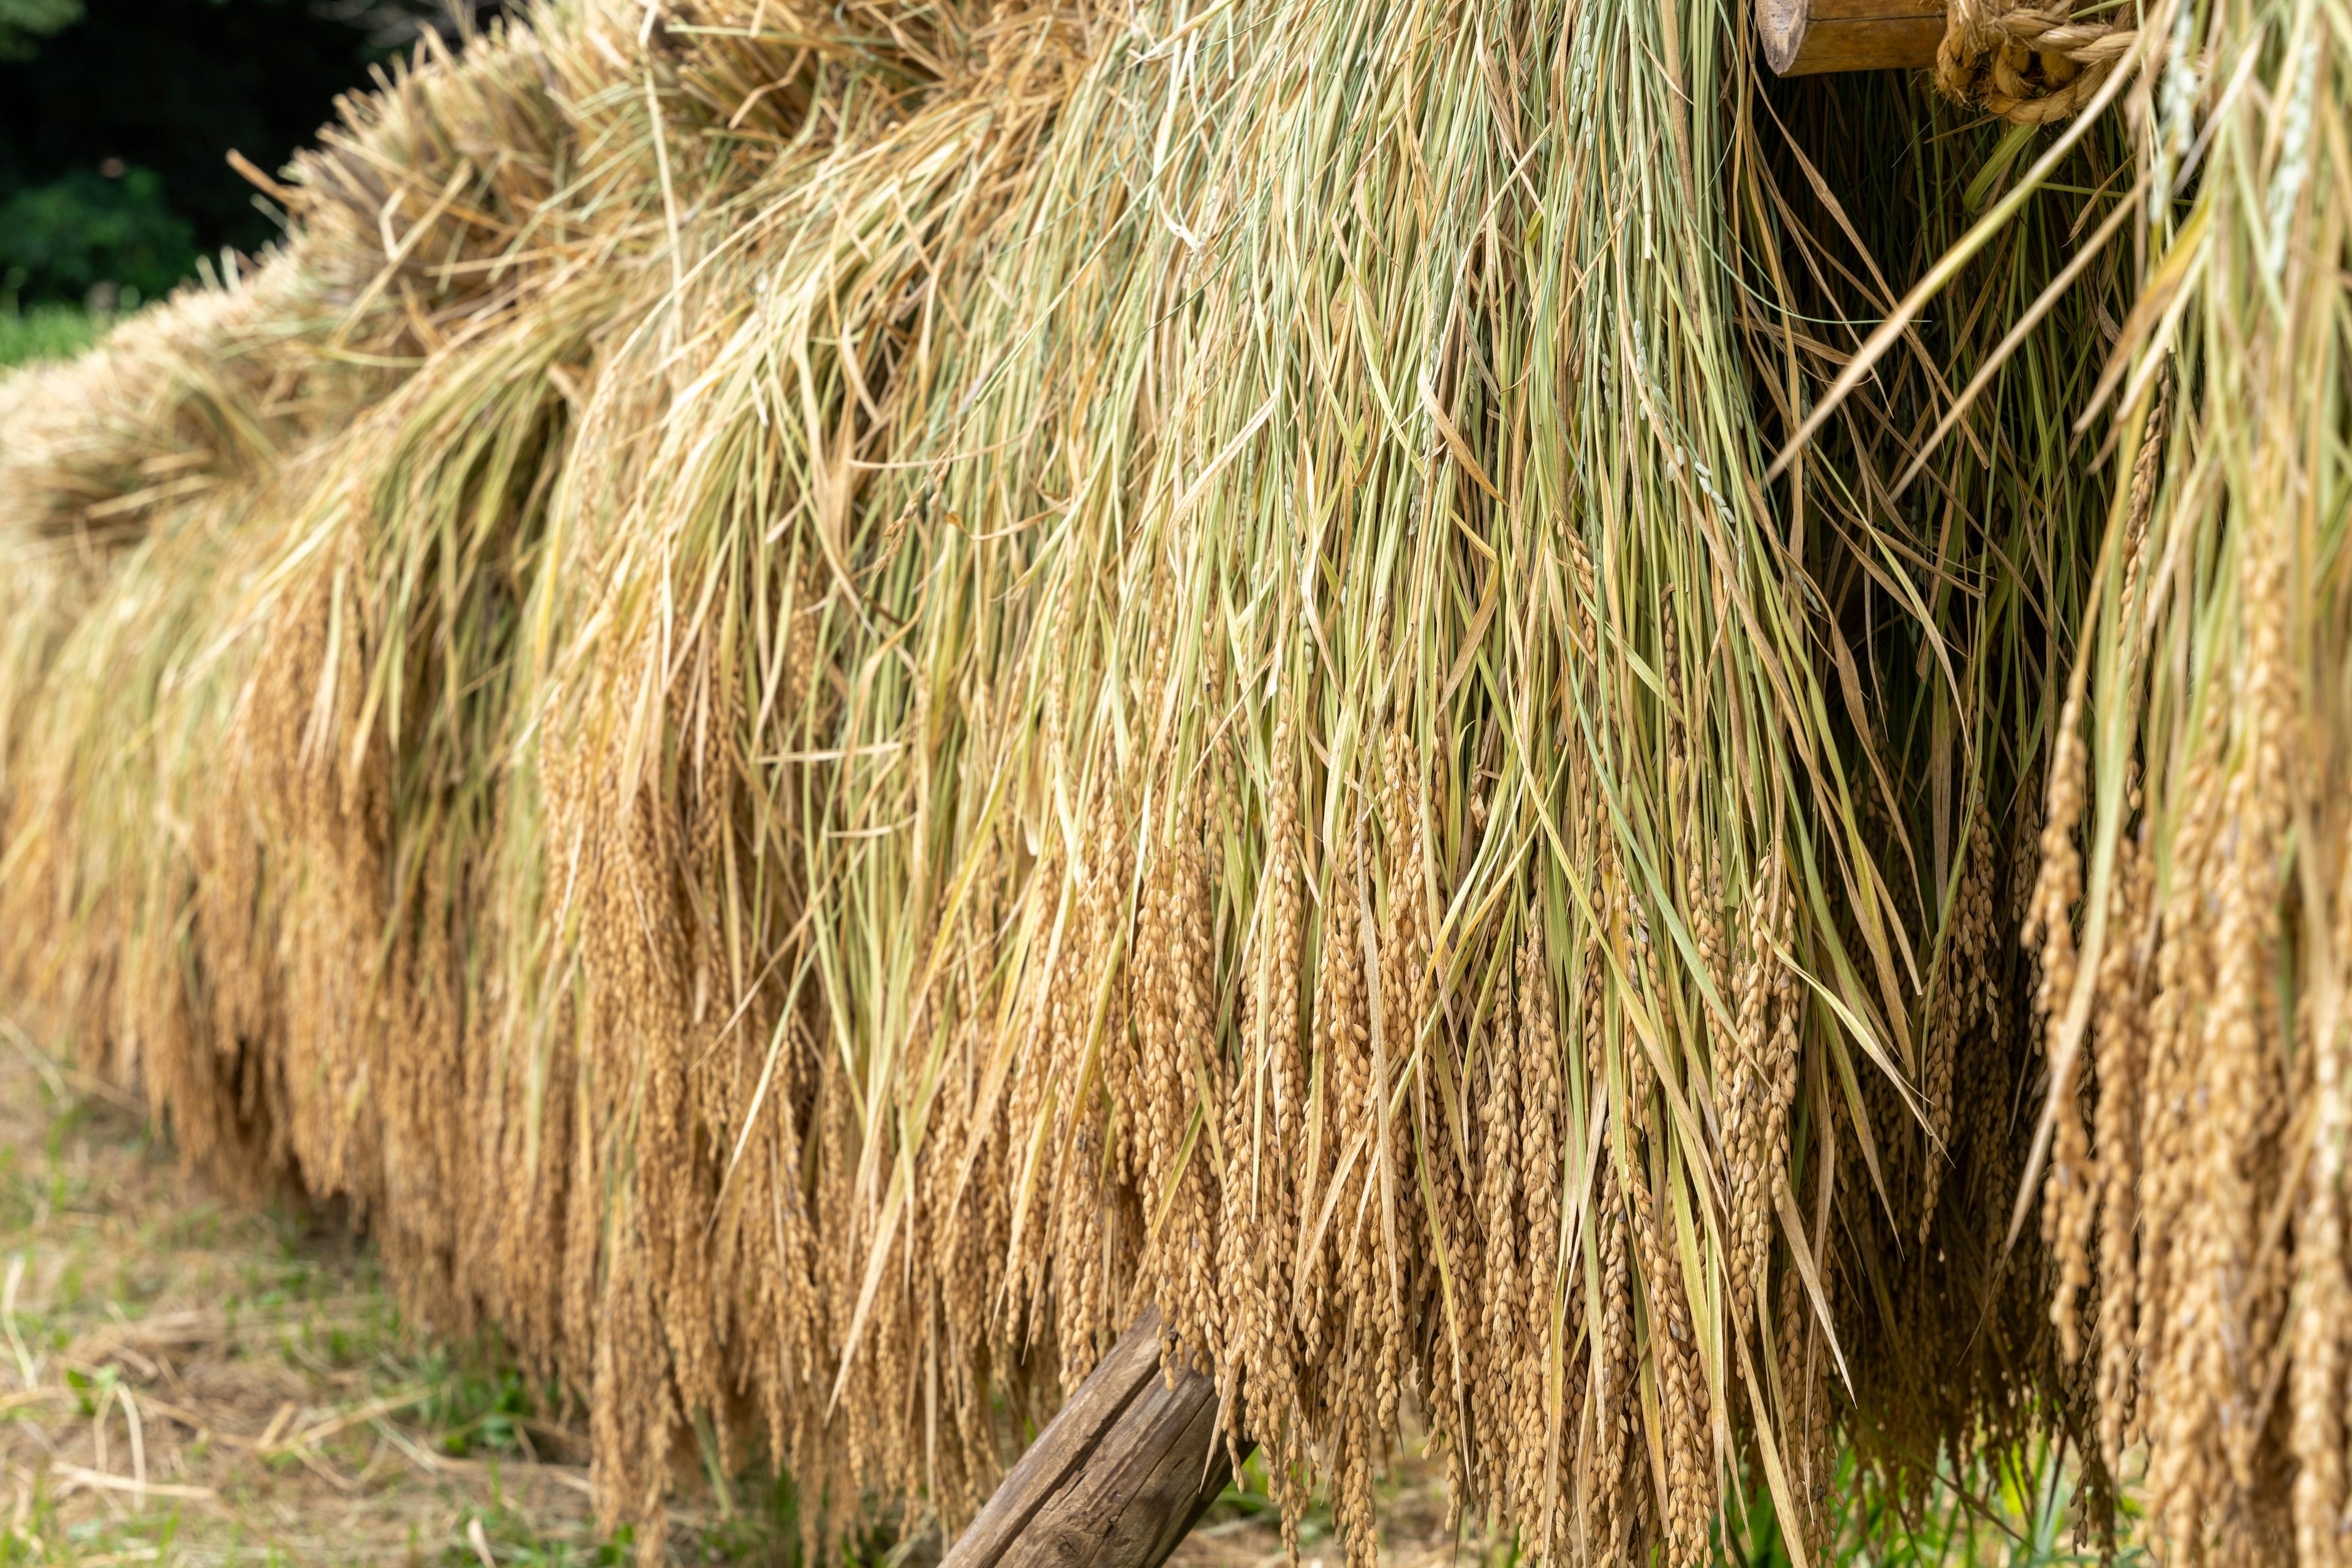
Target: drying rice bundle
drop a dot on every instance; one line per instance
(825, 696)
(2192, 903)
(705, 599)
(338, 602)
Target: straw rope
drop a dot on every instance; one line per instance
(2031, 67)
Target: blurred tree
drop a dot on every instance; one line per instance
(114, 141)
(24, 21)
(71, 235)
(391, 24)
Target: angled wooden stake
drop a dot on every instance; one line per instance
(1803, 37)
(1116, 1480)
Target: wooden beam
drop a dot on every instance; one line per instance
(1803, 37)
(1116, 1480)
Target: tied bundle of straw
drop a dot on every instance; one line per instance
(825, 695)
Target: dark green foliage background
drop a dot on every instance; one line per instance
(116, 125)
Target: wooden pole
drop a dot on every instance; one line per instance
(1116, 1480)
(1802, 37)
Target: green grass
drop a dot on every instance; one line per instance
(44, 331)
(2017, 1513)
(99, 1232)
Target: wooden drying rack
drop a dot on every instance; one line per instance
(1806, 37)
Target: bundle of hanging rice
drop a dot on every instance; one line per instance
(823, 696)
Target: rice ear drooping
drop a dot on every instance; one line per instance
(825, 696)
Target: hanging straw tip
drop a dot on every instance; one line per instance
(255, 175)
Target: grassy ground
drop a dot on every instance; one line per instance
(186, 1380)
(44, 331)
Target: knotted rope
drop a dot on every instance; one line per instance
(2028, 66)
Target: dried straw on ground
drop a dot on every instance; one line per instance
(820, 695)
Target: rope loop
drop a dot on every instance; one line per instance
(2028, 66)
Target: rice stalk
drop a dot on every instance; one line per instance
(919, 675)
